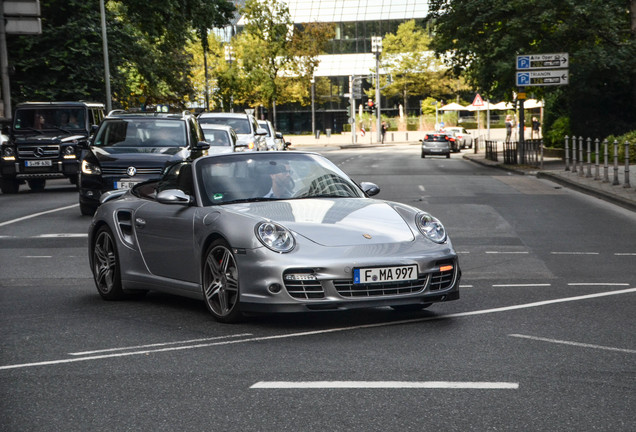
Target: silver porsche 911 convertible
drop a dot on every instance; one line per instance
(269, 232)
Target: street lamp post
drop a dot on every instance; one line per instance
(229, 57)
(313, 108)
(102, 11)
(376, 48)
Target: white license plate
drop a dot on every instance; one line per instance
(38, 163)
(384, 274)
(437, 150)
(125, 184)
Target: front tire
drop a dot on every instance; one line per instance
(9, 186)
(37, 185)
(106, 269)
(221, 283)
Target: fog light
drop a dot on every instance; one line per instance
(274, 288)
(300, 277)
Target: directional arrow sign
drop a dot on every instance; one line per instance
(542, 78)
(543, 61)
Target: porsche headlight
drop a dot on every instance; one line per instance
(90, 168)
(275, 237)
(431, 227)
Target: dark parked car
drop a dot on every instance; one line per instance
(250, 134)
(439, 144)
(43, 142)
(129, 148)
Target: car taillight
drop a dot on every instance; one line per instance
(425, 137)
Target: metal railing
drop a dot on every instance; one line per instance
(526, 152)
(576, 148)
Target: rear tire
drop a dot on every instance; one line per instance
(423, 155)
(448, 156)
(105, 265)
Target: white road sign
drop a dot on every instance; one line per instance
(542, 78)
(543, 61)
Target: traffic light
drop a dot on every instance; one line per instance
(370, 103)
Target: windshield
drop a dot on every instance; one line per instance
(240, 125)
(217, 138)
(50, 118)
(244, 178)
(141, 133)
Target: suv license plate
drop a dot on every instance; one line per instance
(125, 184)
(38, 163)
(384, 274)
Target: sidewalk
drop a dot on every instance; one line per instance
(553, 168)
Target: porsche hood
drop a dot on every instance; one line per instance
(334, 222)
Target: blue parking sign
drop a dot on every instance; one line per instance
(523, 62)
(523, 78)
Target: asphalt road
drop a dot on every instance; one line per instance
(543, 337)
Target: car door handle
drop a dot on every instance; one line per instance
(140, 223)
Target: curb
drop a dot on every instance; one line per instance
(614, 199)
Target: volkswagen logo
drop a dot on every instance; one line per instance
(131, 171)
(39, 152)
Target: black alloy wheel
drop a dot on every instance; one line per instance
(221, 283)
(106, 270)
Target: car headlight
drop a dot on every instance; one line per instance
(8, 153)
(431, 227)
(90, 168)
(69, 152)
(275, 237)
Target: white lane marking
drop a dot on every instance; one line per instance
(574, 253)
(465, 286)
(625, 254)
(578, 344)
(596, 284)
(36, 256)
(325, 331)
(37, 214)
(523, 285)
(422, 188)
(385, 384)
(62, 235)
(159, 344)
(507, 252)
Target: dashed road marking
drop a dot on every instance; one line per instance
(577, 344)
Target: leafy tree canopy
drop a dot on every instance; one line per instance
(482, 38)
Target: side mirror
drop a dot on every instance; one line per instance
(94, 129)
(261, 131)
(279, 135)
(370, 188)
(202, 145)
(174, 196)
(6, 130)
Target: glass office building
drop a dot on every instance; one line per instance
(348, 53)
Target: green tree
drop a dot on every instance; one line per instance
(483, 37)
(147, 52)
(277, 59)
(413, 68)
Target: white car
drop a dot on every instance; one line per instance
(222, 138)
(273, 139)
(462, 135)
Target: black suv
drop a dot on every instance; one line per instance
(43, 142)
(129, 148)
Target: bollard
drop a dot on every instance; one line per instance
(541, 144)
(392, 137)
(581, 160)
(407, 136)
(626, 182)
(589, 158)
(597, 173)
(605, 161)
(615, 182)
(574, 154)
(567, 155)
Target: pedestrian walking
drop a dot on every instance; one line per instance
(509, 125)
(383, 130)
(535, 128)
